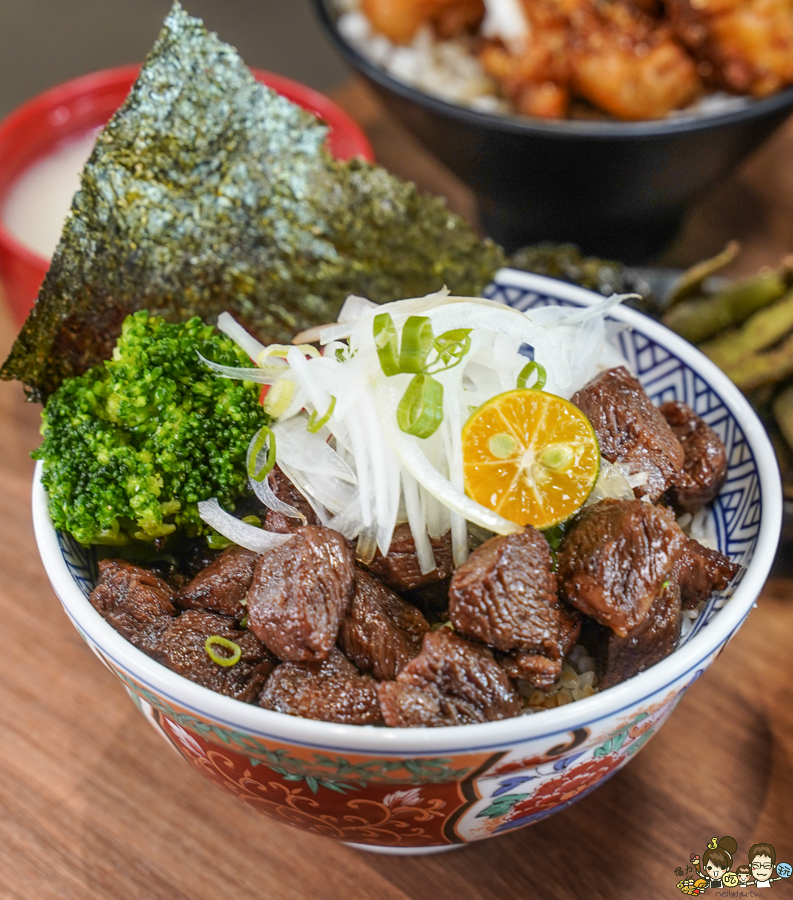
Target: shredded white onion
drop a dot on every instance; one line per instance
(237, 531)
(360, 472)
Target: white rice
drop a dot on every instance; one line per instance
(578, 680)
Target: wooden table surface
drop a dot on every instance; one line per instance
(94, 806)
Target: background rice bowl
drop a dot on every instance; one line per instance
(425, 790)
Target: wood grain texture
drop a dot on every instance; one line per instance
(95, 806)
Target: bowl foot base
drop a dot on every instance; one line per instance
(403, 851)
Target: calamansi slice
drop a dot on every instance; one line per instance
(530, 456)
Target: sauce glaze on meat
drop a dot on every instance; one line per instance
(328, 640)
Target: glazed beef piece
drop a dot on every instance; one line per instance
(539, 670)
(700, 571)
(381, 632)
(182, 647)
(655, 637)
(332, 691)
(543, 670)
(614, 559)
(451, 682)
(400, 570)
(432, 600)
(705, 464)
(299, 593)
(504, 594)
(285, 491)
(222, 585)
(137, 603)
(631, 430)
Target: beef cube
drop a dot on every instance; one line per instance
(705, 464)
(615, 558)
(382, 632)
(535, 668)
(182, 648)
(223, 585)
(332, 691)
(432, 600)
(504, 594)
(286, 492)
(137, 603)
(570, 621)
(700, 571)
(399, 569)
(543, 669)
(299, 593)
(461, 683)
(631, 430)
(655, 637)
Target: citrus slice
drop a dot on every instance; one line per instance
(530, 456)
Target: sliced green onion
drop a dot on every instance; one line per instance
(265, 436)
(451, 347)
(417, 341)
(385, 340)
(217, 640)
(244, 621)
(666, 584)
(314, 424)
(278, 398)
(420, 411)
(527, 371)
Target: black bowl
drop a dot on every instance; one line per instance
(617, 189)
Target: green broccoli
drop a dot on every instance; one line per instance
(134, 443)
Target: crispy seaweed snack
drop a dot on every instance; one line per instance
(208, 192)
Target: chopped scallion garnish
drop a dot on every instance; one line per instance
(217, 641)
(420, 411)
(264, 437)
(417, 341)
(315, 424)
(385, 340)
(527, 371)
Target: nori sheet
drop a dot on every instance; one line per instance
(208, 192)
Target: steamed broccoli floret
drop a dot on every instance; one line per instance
(132, 445)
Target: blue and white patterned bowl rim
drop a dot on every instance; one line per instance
(747, 514)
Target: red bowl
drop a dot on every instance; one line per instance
(70, 109)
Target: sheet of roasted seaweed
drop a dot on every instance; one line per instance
(207, 191)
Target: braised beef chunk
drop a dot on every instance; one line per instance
(182, 647)
(570, 622)
(700, 571)
(134, 601)
(432, 600)
(400, 568)
(299, 593)
(222, 585)
(461, 682)
(631, 430)
(543, 669)
(332, 690)
(535, 668)
(504, 594)
(285, 491)
(655, 637)
(381, 632)
(614, 559)
(705, 465)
